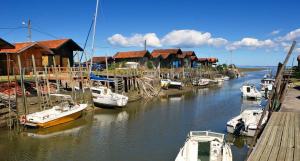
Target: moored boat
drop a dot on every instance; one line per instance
(205, 145)
(246, 123)
(65, 111)
(250, 91)
(103, 96)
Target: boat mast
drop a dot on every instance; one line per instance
(94, 33)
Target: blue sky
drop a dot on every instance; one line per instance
(257, 32)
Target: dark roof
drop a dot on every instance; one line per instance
(165, 52)
(189, 53)
(132, 54)
(5, 45)
(101, 59)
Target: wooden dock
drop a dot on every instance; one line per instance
(280, 140)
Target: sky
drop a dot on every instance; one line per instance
(249, 32)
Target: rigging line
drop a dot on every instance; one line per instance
(86, 40)
(45, 33)
(10, 28)
(9, 32)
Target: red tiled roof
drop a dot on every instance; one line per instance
(131, 54)
(18, 47)
(50, 44)
(5, 45)
(165, 52)
(210, 60)
(54, 44)
(202, 59)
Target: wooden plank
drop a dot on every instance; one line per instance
(284, 140)
(276, 131)
(276, 145)
(261, 144)
(266, 153)
(297, 137)
(291, 139)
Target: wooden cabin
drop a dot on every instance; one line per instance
(188, 59)
(43, 51)
(63, 50)
(208, 61)
(167, 58)
(101, 60)
(4, 57)
(140, 57)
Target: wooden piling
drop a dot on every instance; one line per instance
(36, 82)
(22, 85)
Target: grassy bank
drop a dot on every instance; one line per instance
(251, 69)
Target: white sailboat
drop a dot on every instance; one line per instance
(64, 112)
(246, 123)
(105, 97)
(205, 145)
(102, 95)
(250, 91)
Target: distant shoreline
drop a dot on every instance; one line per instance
(251, 69)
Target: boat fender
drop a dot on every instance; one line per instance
(23, 119)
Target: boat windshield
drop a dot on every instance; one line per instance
(203, 151)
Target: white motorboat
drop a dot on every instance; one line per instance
(102, 95)
(246, 123)
(205, 146)
(202, 82)
(226, 78)
(167, 83)
(250, 91)
(64, 112)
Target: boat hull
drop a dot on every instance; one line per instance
(57, 121)
(109, 102)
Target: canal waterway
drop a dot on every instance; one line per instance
(143, 131)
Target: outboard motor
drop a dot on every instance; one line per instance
(239, 127)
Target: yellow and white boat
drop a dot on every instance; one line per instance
(65, 111)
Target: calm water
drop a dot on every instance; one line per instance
(144, 131)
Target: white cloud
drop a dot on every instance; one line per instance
(275, 32)
(191, 38)
(251, 43)
(293, 35)
(136, 40)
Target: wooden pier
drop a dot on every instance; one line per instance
(280, 140)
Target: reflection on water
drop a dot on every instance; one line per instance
(144, 130)
(239, 142)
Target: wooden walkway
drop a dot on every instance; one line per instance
(280, 140)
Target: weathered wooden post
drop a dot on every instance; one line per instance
(22, 85)
(36, 82)
(48, 85)
(56, 74)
